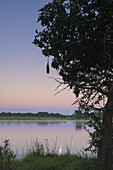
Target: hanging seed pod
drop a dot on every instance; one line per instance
(47, 66)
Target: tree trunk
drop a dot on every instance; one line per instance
(105, 148)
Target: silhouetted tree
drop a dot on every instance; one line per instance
(79, 36)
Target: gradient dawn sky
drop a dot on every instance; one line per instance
(24, 85)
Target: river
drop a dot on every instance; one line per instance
(59, 135)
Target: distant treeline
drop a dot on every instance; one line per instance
(39, 114)
(77, 114)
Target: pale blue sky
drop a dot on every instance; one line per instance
(24, 85)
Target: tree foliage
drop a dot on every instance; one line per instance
(74, 33)
(96, 123)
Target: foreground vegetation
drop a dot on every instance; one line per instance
(37, 159)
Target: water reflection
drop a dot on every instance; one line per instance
(31, 122)
(60, 150)
(79, 125)
(69, 134)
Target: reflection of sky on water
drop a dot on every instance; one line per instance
(78, 124)
(60, 134)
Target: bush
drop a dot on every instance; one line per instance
(6, 156)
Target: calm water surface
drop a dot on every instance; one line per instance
(62, 134)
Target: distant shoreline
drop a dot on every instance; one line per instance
(78, 115)
(39, 118)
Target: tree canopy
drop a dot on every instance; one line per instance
(78, 35)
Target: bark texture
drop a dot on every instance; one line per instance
(105, 154)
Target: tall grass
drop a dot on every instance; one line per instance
(38, 157)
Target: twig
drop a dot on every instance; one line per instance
(61, 90)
